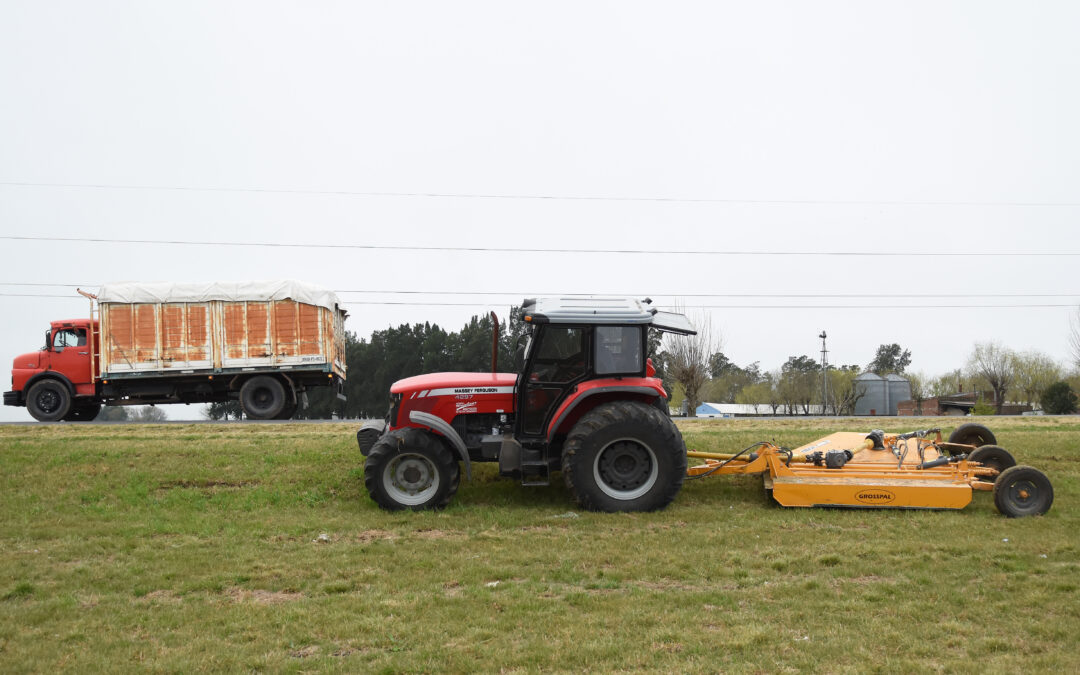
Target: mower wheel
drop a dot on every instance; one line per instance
(994, 457)
(262, 397)
(624, 456)
(411, 469)
(972, 434)
(48, 401)
(1023, 491)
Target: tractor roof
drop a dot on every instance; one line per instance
(603, 311)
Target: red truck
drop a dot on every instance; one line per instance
(262, 343)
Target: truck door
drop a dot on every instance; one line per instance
(558, 361)
(69, 354)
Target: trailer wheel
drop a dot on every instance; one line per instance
(972, 433)
(411, 469)
(83, 412)
(993, 456)
(624, 456)
(262, 397)
(1023, 491)
(48, 401)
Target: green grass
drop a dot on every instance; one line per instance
(185, 548)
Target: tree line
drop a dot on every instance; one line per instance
(693, 369)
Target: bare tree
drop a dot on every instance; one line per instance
(995, 364)
(919, 389)
(688, 360)
(1035, 372)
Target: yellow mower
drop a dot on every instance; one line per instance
(916, 470)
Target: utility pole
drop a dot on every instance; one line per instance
(824, 376)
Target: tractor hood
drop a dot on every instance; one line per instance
(437, 384)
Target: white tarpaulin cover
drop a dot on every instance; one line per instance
(230, 291)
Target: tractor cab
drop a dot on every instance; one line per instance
(586, 392)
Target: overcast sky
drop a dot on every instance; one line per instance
(936, 127)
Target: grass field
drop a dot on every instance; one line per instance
(254, 547)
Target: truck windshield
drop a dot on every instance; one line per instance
(69, 337)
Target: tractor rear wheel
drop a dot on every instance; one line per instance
(972, 433)
(993, 456)
(262, 397)
(48, 401)
(411, 469)
(1023, 491)
(624, 456)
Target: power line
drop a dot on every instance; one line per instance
(537, 197)
(659, 295)
(497, 249)
(495, 304)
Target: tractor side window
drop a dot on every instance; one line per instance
(69, 337)
(618, 350)
(561, 355)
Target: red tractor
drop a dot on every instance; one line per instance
(586, 401)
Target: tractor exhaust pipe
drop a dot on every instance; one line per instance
(494, 344)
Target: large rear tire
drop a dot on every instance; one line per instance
(1023, 491)
(624, 456)
(48, 401)
(262, 397)
(411, 469)
(972, 433)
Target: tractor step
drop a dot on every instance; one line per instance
(535, 473)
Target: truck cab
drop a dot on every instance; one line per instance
(57, 381)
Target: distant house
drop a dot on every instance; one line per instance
(956, 404)
(880, 394)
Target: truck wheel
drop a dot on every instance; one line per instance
(624, 456)
(262, 397)
(972, 434)
(287, 411)
(993, 456)
(48, 401)
(411, 469)
(1023, 491)
(83, 412)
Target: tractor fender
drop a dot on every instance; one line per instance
(438, 425)
(572, 404)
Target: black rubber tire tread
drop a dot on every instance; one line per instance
(661, 404)
(419, 441)
(1003, 498)
(993, 456)
(972, 433)
(623, 419)
(288, 411)
(252, 407)
(42, 387)
(83, 412)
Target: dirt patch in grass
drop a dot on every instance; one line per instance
(259, 596)
(211, 485)
(368, 536)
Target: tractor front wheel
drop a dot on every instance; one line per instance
(411, 469)
(1023, 491)
(624, 456)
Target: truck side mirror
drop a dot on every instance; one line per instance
(48, 341)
